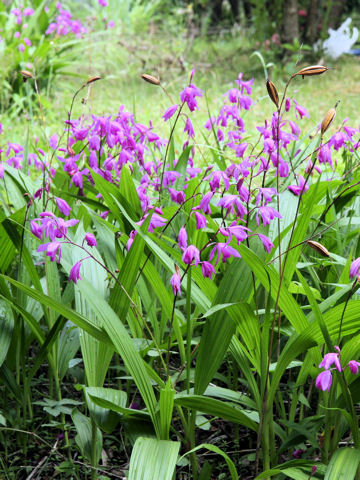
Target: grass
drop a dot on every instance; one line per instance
(218, 62)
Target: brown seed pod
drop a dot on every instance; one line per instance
(328, 119)
(273, 93)
(312, 70)
(93, 79)
(150, 79)
(71, 151)
(319, 248)
(26, 75)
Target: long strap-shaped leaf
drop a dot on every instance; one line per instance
(287, 302)
(124, 346)
(217, 408)
(153, 459)
(343, 464)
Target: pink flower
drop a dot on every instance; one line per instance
(36, 229)
(267, 214)
(301, 188)
(205, 202)
(268, 245)
(53, 141)
(225, 250)
(329, 359)
(200, 221)
(354, 367)
(51, 248)
(354, 268)
(169, 112)
(63, 206)
(176, 283)
(189, 129)
(190, 254)
(207, 269)
(21, 48)
(189, 95)
(301, 110)
(75, 273)
(182, 238)
(324, 380)
(90, 240)
(27, 12)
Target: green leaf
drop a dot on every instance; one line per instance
(220, 327)
(166, 406)
(343, 464)
(217, 408)
(124, 346)
(68, 313)
(215, 449)
(105, 418)
(84, 436)
(153, 459)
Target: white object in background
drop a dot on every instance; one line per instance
(340, 41)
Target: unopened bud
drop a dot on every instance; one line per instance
(273, 93)
(150, 79)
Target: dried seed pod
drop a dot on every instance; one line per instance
(71, 151)
(312, 70)
(150, 79)
(26, 75)
(328, 119)
(319, 248)
(93, 79)
(273, 93)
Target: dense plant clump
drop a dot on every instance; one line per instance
(166, 291)
(178, 296)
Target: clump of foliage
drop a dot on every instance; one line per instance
(174, 297)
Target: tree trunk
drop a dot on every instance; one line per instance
(336, 12)
(234, 4)
(290, 29)
(312, 22)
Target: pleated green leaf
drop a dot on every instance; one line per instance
(166, 406)
(105, 418)
(84, 436)
(343, 464)
(217, 408)
(215, 449)
(124, 346)
(67, 312)
(220, 327)
(270, 279)
(153, 459)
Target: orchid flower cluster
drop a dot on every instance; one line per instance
(65, 24)
(21, 16)
(55, 229)
(324, 379)
(218, 206)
